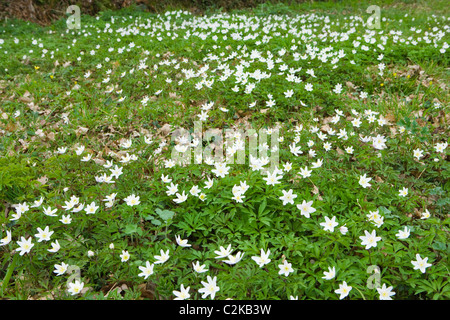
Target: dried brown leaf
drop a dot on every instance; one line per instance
(42, 180)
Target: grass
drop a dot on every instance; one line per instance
(88, 121)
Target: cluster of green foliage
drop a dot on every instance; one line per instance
(42, 88)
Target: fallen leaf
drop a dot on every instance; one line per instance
(165, 129)
(315, 190)
(42, 180)
(81, 130)
(51, 136)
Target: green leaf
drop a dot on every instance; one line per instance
(437, 191)
(165, 214)
(443, 202)
(439, 246)
(266, 221)
(384, 210)
(9, 273)
(107, 101)
(262, 206)
(156, 222)
(132, 228)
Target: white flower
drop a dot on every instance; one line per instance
(289, 93)
(15, 216)
(91, 208)
(25, 245)
(147, 270)
(209, 288)
(199, 268)
(87, 157)
(272, 178)
(21, 208)
(234, 259)
(124, 256)
(209, 183)
(126, 144)
(126, 158)
(343, 290)
(317, 164)
(364, 181)
(172, 189)
(49, 212)
(43, 235)
(6, 240)
(418, 153)
(370, 239)
(163, 257)
(116, 172)
(287, 166)
(195, 190)
(132, 200)
(223, 253)
(180, 197)
(379, 142)
(61, 150)
(343, 229)
(403, 192)
(330, 274)
(306, 208)
(425, 215)
(285, 268)
(403, 234)
(440, 147)
(385, 292)
(288, 197)
(37, 203)
(182, 242)
(295, 150)
(220, 170)
(356, 122)
(305, 173)
(79, 150)
(108, 164)
(202, 196)
(420, 263)
(338, 88)
(147, 140)
(165, 179)
(60, 269)
(55, 247)
(263, 259)
(79, 208)
(183, 294)
(329, 224)
(75, 287)
(110, 197)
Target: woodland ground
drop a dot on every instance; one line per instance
(357, 123)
